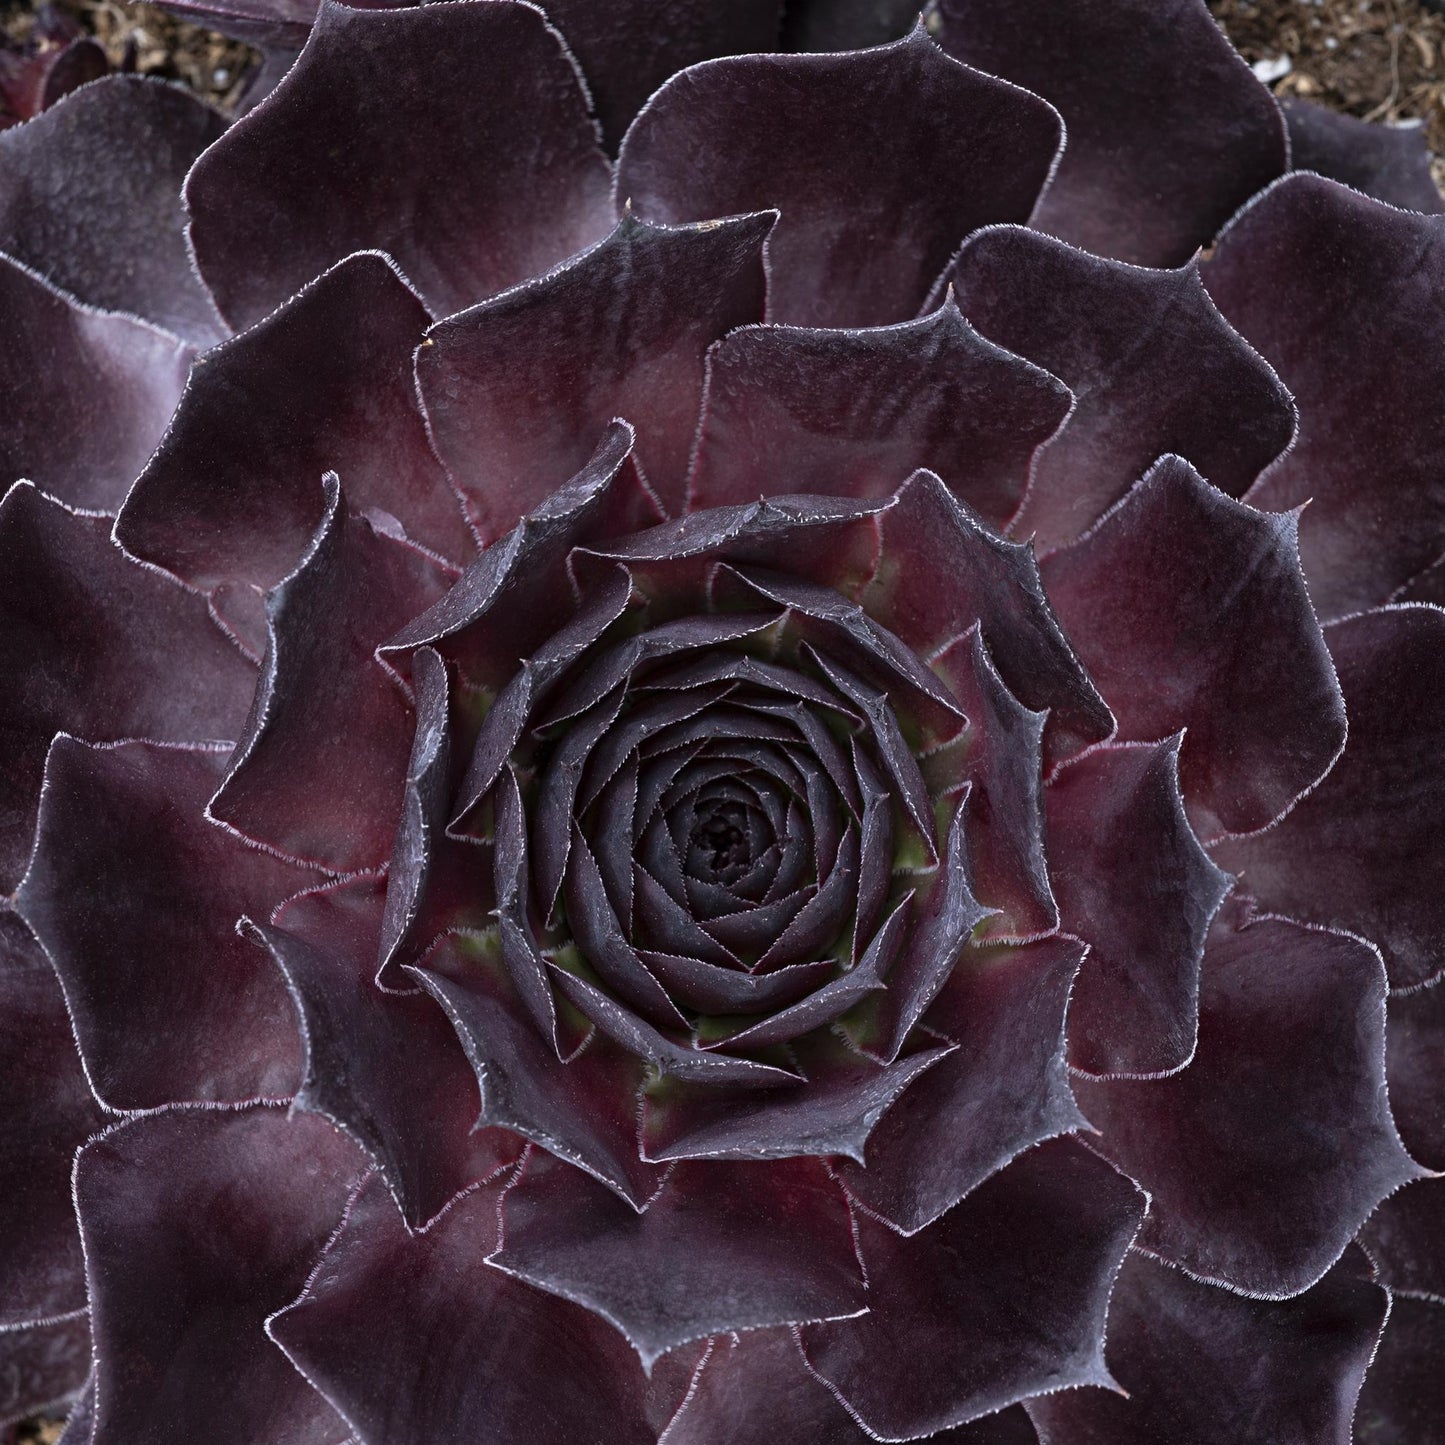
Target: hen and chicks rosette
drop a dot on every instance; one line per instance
(722, 727)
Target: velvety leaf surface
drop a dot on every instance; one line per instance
(1134, 883)
(1311, 272)
(518, 389)
(320, 772)
(1389, 162)
(1167, 129)
(1415, 1065)
(940, 570)
(1002, 760)
(84, 396)
(583, 1110)
(49, 1112)
(1403, 1401)
(1202, 1365)
(90, 198)
(1356, 853)
(274, 26)
(871, 211)
(855, 413)
(1268, 1152)
(723, 1246)
(80, 1425)
(198, 1223)
(139, 657)
(1153, 366)
(1190, 611)
(455, 138)
(845, 24)
(135, 897)
(386, 1067)
(323, 384)
(1005, 1087)
(517, 590)
(1003, 1297)
(42, 1366)
(1403, 1238)
(417, 1340)
(754, 1389)
(627, 50)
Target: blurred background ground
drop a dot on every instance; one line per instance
(1381, 60)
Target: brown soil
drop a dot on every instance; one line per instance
(1382, 60)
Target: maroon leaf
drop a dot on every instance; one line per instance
(518, 388)
(722, 1246)
(135, 897)
(940, 571)
(86, 395)
(1268, 1152)
(385, 1067)
(627, 50)
(1203, 1365)
(1167, 129)
(1415, 1064)
(42, 1366)
(1134, 883)
(583, 1110)
(94, 645)
(1153, 366)
(1002, 1298)
(49, 1109)
(90, 198)
(1002, 759)
(1003, 1089)
(855, 413)
(455, 139)
(1403, 1401)
(833, 1113)
(323, 384)
(1367, 457)
(418, 1340)
(515, 596)
(1389, 162)
(1356, 852)
(198, 1223)
(1190, 611)
(321, 771)
(871, 211)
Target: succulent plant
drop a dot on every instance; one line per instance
(680, 760)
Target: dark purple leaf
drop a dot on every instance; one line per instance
(385, 1067)
(518, 388)
(1268, 1152)
(49, 1110)
(1403, 1401)
(1153, 366)
(456, 139)
(857, 412)
(90, 198)
(42, 1366)
(1389, 162)
(1358, 852)
(95, 645)
(1190, 611)
(1311, 272)
(1403, 1235)
(1415, 1064)
(322, 384)
(1002, 1298)
(722, 1246)
(1202, 1365)
(418, 1340)
(198, 1223)
(1167, 129)
(871, 210)
(1004, 1088)
(1135, 884)
(321, 771)
(135, 896)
